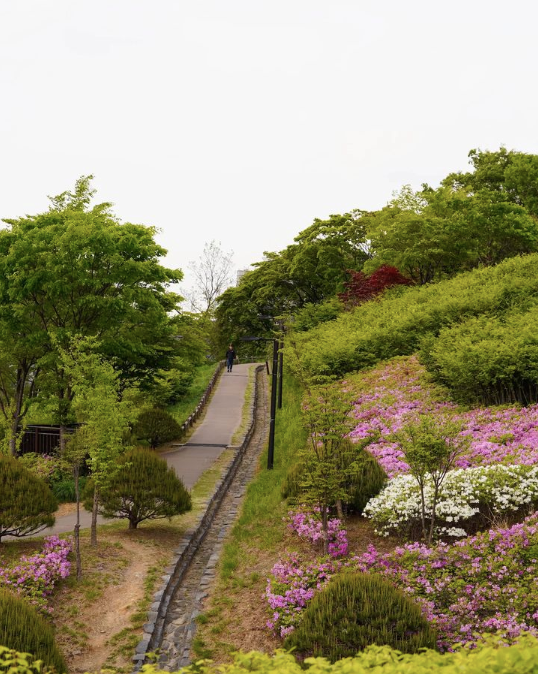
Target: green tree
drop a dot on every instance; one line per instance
(308, 272)
(143, 488)
(431, 450)
(76, 269)
(27, 505)
(328, 465)
(104, 416)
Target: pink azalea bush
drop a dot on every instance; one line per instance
(291, 586)
(485, 583)
(307, 525)
(293, 583)
(482, 584)
(35, 577)
(396, 392)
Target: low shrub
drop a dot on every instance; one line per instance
(64, 489)
(27, 505)
(23, 629)
(157, 426)
(367, 479)
(482, 584)
(357, 610)
(34, 578)
(307, 525)
(47, 468)
(143, 488)
(493, 657)
(487, 359)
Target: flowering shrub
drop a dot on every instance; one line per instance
(395, 393)
(307, 525)
(481, 584)
(44, 466)
(292, 584)
(35, 577)
(469, 498)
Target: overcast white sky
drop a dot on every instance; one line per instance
(243, 120)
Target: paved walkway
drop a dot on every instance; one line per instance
(212, 435)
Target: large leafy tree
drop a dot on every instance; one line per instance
(75, 269)
(308, 272)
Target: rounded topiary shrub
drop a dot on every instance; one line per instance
(143, 488)
(23, 629)
(157, 426)
(365, 481)
(27, 505)
(357, 610)
(369, 480)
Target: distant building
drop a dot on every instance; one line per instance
(240, 274)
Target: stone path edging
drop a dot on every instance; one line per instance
(203, 400)
(185, 552)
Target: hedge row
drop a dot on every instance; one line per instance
(399, 322)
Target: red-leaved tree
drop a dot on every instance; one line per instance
(362, 287)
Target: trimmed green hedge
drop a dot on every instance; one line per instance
(396, 324)
(23, 629)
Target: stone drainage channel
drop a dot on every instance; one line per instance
(172, 618)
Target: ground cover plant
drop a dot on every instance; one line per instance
(396, 392)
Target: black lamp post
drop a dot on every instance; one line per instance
(274, 373)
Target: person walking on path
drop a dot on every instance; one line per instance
(230, 357)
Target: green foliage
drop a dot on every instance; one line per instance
(369, 478)
(182, 409)
(328, 461)
(23, 629)
(487, 359)
(307, 272)
(314, 314)
(64, 489)
(396, 324)
(157, 426)
(27, 505)
(169, 386)
(76, 270)
(365, 477)
(430, 449)
(143, 488)
(466, 222)
(291, 486)
(356, 611)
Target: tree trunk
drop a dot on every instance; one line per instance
(77, 525)
(339, 509)
(325, 529)
(133, 524)
(93, 538)
(423, 511)
(432, 521)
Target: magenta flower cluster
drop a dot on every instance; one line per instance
(485, 583)
(34, 578)
(308, 525)
(291, 586)
(293, 583)
(481, 584)
(396, 392)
